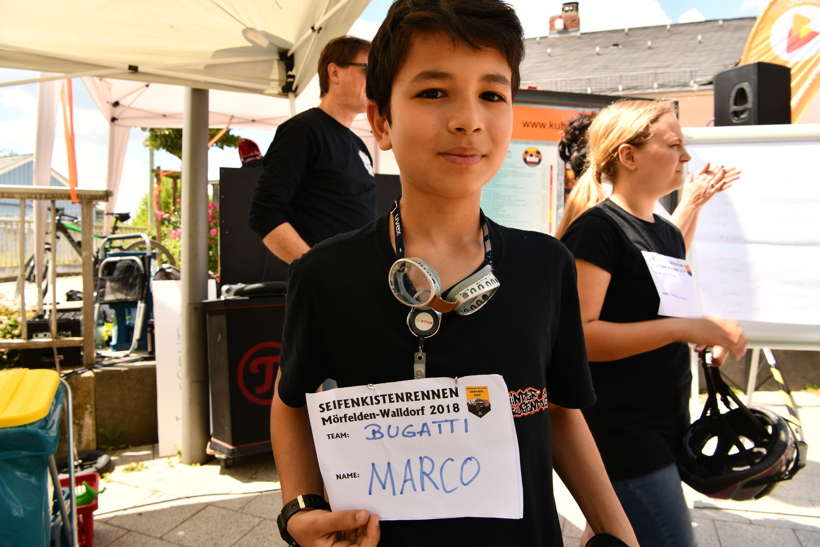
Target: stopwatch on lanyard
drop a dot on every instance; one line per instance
(416, 284)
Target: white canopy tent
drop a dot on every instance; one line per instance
(268, 47)
(127, 103)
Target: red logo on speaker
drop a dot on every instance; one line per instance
(257, 372)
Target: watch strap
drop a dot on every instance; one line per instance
(306, 501)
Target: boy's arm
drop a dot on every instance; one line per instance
(298, 468)
(578, 463)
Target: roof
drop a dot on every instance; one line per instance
(10, 172)
(681, 56)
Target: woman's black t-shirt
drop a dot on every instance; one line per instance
(642, 410)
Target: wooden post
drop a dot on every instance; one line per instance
(87, 244)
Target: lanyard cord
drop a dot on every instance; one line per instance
(485, 229)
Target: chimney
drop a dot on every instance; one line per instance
(566, 23)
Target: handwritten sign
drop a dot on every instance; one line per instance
(675, 284)
(420, 449)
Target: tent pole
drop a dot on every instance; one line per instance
(195, 405)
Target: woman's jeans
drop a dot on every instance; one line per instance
(657, 509)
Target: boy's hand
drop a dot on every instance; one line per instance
(319, 528)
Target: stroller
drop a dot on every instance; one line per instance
(124, 284)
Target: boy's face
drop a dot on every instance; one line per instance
(451, 110)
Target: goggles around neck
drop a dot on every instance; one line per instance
(416, 284)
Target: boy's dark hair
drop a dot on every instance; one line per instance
(340, 51)
(477, 23)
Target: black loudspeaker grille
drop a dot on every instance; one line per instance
(753, 94)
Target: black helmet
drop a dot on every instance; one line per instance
(754, 449)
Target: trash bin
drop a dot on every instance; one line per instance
(244, 340)
(30, 404)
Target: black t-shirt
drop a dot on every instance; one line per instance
(318, 176)
(343, 322)
(643, 400)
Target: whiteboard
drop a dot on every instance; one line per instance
(756, 251)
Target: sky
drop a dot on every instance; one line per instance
(18, 108)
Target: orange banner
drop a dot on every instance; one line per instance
(533, 123)
(788, 33)
(67, 97)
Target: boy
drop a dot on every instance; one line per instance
(441, 79)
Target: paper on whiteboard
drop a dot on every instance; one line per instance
(420, 449)
(757, 245)
(675, 285)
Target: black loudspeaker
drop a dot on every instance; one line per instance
(753, 94)
(244, 340)
(243, 258)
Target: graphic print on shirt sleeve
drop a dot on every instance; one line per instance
(528, 401)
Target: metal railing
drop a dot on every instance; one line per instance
(67, 259)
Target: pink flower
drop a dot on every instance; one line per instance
(176, 234)
(213, 231)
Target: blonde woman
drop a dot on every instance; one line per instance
(695, 193)
(638, 359)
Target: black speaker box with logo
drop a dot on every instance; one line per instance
(753, 94)
(244, 339)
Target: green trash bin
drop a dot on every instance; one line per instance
(30, 405)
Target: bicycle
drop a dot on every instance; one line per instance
(65, 226)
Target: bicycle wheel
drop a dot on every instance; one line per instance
(29, 276)
(162, 252)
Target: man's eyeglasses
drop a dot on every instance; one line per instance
(363, 65)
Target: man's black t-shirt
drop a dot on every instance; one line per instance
(318, 176)
(343, 322)
(642, 409)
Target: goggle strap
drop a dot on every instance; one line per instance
(441, 305)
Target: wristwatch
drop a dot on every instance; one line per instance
(306, 501)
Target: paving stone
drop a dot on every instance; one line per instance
(266, 534)
(808, 539)
(708, 511)
(105, 534)
(157, 521)
(705, 532)
(214, 527)
(266, 506)
(744, 535)
(133, 539)
(234, 502)
(119, 496)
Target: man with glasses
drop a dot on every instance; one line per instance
(318, 175)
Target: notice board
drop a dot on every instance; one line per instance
(756, 253)
(528, 191)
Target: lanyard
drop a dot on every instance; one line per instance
(485, 229)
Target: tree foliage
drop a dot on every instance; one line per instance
(170, 140)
